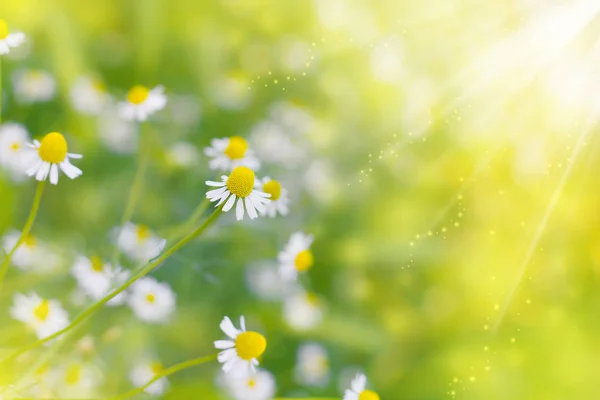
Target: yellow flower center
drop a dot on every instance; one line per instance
(3, 29)
(30, 241)
(53, 148)
(251, 383)
(97, 264)
(157, 367)
(236, 148)
(312, 299)
(304, 260)
(42, 310)
(15, 146)
(241, 181)
(151, 298)
(368, 395)
(138, 94)
(99, 85)
(250, 345)
(143, 233)
(73, 375)
(273, 188)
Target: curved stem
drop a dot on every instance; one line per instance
(26, 229)
(166, 372)
(96, 306)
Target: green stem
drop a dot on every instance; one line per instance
(169, 371)
(96, 306)
(28, 224)
(176, 232)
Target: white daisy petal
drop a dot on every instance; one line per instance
(239, 211)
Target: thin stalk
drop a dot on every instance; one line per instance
(169, 371)
(26, 229)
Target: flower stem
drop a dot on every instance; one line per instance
(26, 229)
(96, 306)
(169, 371)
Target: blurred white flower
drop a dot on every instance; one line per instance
(296, 256)
(152, 301)
(185, 110)
(280, 201)
(33, 86)
(50, 154)
(96, 279)
(182, 155)
(44, 317)
(75, 380)
(254, 386)
(142, 102)
(238, 186)
(266, 282)
(292, 117)
(241, 353)
(144, 372)
(139, 243)
(13, 139)
(357, 390)
(227, 153)
(319, 181)
(302, 310)
(9, 39)
(312, 367)
(117, 134)
(89, 95)
(274, 146)
(232, 92)
(32, 255)
(85, 346)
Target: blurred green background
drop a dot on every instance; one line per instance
(449, 175)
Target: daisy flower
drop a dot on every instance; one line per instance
(50, 154)
(144, 372)
(182, 155)
(142, 102)
(312, 367)
(296, 256)
(302, 310)
(43, 316)
(117, 134)
(279, 197)
(238, 186)
(33, 86)
(9, 39)
(357, 390)
(13, 139)
(96, 278)
(256, 386)
(244, 348)
(139, 243)
(74, 380)
(32, 254)
(89, 95)
(152, 301)
(231, 152)
(264, 280)
(273, 145)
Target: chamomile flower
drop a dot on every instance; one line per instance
(357, 390)
(139, 243)
(144, 372)
(302, 310)
(227, 153)
(89, 95)
(13, 139)
(182, 155)
(43, 316)
(32, 254)
(142, 102)
(117, 134)
(75, 380)
(280, 201)
(152, 301)
(33, 86)
(265, 281)
(255, 386)
(239, 186)
(96, 278)
(241, 353)
(49, 155)
(312, 367)
(296, 256)
(9, 39)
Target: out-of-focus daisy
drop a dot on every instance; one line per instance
(144, 372)
(13, 139)
(43, 316)
(238, 186)
(231, 92)
(32, 254)
(142, 102)
(255, 386)
(231, 152)
(182, 155)
(184, 110)
(89, 95)
(50, 154)
(357, 390)
(312, 367)
(241, 353)
(139, 243)
(265, 281)
(9, 39)
(152, 301)
(33, 86)
(279, 197)
(75, 380)
(117, 134)
(85, 346)
(302, 310)
(96, 278)
(274, 146)
(292, 116)
(296, 256)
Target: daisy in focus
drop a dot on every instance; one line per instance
(144, 372)
(239, 186)
(13, 139)
(312, 367)
(49, 155)
(89, 96)
(152, 301)
(33, 86)
(9, 39)
(96, 278)
(302, 310)
(228, 153)
(357, 390)
(142, 102)
(241, 353)
(280, 201)
(296, 256)
(256, 386)
(139, 243)
(44, 317)
(74, 380)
